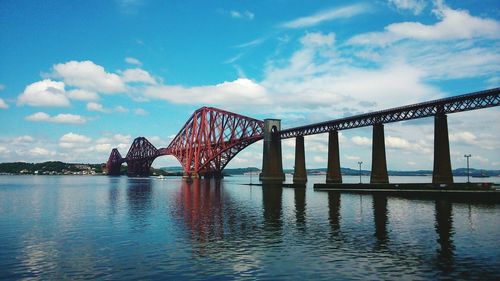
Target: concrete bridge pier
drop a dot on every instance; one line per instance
(299, 172)
(272, 164)
(442, 163)
(333, 169)
(379, 163)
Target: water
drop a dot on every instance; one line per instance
(77, 227)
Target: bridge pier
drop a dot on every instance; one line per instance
(272, 164)
(333, 174)
(379, 163)
(442, 164)
(299, 171)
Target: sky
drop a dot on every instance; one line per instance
(78, 78)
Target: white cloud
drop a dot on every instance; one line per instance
(4, 150)
(134, 61)
(120, 108)
(103, 147)
(84, 95)
(39, 151)
(238, 93)
(415, 6)
(318, 39)
(72, 137)
(3, 104)
(320, 159)
(44, 93)
(396, 142)
(453, 25)
(2, 87)
(24, 139)
(463, 137)
(59, 118)
(123, 138)
(89, 76)
(352, 158)
(327, 15)
(361, 140)
(94, 106)
(140, 111)
(242, 15)
(138, 75)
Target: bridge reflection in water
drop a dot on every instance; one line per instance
(250, 226)
(210, 215)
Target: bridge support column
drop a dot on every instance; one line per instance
(299, 172)
(442, 163)
(272, 165)
(333, 169)
(379, 163)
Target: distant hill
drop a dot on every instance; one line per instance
(50, 168)
(352, 172)
(61, 168)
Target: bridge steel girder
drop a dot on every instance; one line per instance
(210, 139)
(140, 156)
(472, 101)
(114, 163)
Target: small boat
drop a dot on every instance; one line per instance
(161, 177)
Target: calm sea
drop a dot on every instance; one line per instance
(97, 227)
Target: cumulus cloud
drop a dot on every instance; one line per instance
(396, 142)
(89, 76)
(24, 139)
(463, 137)
(94, 106)
(83, 95)
(39, 151)
(237, 93)
(361, 140)
(59, 118)
(133, 61)
(72, 137)
(138, 75)
(3, 104)
(44, 93)
(327, 15)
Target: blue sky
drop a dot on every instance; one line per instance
(80, 77)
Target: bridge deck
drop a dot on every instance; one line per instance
(471, 101)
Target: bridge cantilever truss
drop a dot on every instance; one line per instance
(204, 146)
(212, 137)
(476, 100)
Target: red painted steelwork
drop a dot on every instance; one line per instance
(211, 138)
(115, 160)
(204, 146)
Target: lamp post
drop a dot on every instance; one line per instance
(359, 163)
(468, 174)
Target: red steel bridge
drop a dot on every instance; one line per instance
(212, 137)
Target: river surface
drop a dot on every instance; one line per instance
(97, 227)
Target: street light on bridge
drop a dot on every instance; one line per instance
(468, 174)
(359, 163)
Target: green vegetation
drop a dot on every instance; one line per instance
(61, 168)
(50, 168)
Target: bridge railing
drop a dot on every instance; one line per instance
(471, 101)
